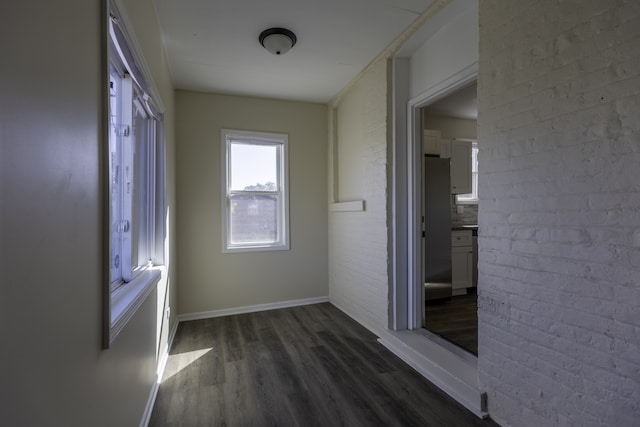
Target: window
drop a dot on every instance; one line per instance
(135, 182)
(255, 194)
(132, 161)
(471, 198)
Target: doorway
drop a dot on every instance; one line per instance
(450, 217)
(444, 363)
(409, 303)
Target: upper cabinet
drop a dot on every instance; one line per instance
(459, 151)
(461, 166)
(431, 141)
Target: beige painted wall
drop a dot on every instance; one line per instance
(211, 280)
(52, 368)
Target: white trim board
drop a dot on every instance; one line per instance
(453, 374)
(251, 308)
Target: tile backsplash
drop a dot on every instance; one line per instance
(469, 216)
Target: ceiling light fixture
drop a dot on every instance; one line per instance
(277, 40)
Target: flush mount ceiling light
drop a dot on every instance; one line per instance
(277, 40)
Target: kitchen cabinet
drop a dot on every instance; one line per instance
(461, 166)
(445, 148)
(461, 261)
(459, 151)
(431, 141)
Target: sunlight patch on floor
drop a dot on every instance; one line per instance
(178, 362)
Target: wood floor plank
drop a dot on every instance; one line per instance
(302, 366)
(351, 397)
(322, 390)
(231, 338)
(455, 319)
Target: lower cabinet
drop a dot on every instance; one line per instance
(461, 261)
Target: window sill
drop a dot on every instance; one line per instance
(256, 248)
(127, 299)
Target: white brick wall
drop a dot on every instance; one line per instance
(559, 268)
(358, 255)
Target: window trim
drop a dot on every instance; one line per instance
(127, 298)
(122, 299)
(256, 138)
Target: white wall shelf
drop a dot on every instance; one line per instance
(353, 206)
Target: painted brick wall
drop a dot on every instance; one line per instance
(559, 270)
(358, 256)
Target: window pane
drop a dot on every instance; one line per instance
(255, 187)
(115, 175)
(254, 167)
(253, 219)
(474, 158)
(473, 196)
(143, 186)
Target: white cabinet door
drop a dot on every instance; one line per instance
(461, 166)
(445, 148)
(461, 267)
(461, 259)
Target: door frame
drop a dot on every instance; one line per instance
(414, 250)
(455, 373)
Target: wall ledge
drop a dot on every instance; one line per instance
(353, 206)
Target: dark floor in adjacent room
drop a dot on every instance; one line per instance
(455, 319)
(301, 366)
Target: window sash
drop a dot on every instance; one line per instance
(281, 240)
(133, 142)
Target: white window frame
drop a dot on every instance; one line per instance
(471, 198)
(140, 153)
(279, 140)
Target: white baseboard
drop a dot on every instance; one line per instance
(162, 362)
(250, 308)
(454, 375)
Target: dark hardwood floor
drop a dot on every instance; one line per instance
(302, 366)
(455, 319)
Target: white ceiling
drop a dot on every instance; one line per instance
(212, 45)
